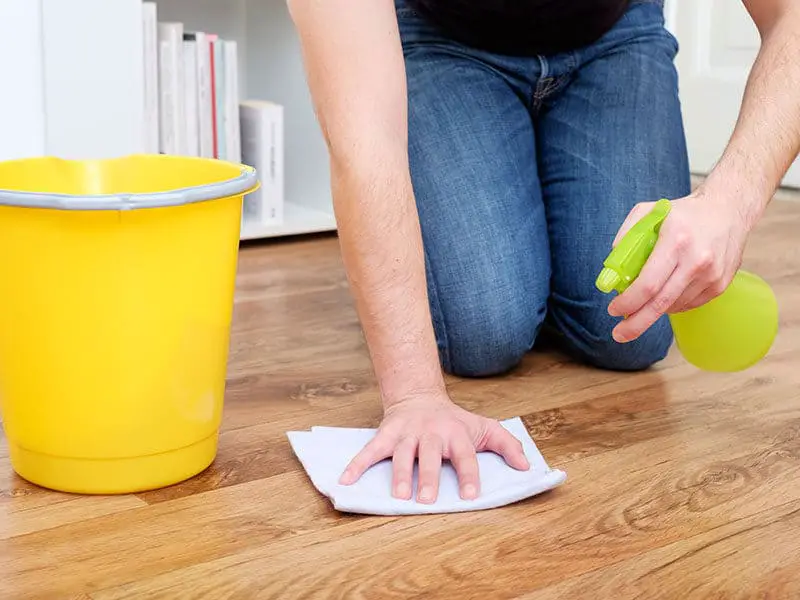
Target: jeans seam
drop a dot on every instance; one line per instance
(542, 83)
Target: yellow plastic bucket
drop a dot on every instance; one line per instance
(116, 293)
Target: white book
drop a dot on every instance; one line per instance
(233, 145)
(150, 43)
(219, 95)
(262, 143)
(205, 113)
(171, 85)
(191, 114)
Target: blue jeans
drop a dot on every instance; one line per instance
(523, 170)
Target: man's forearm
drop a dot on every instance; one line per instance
(356, 74)
(382, 251)
(766, 138)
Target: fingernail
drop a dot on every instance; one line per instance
(345, 478)
(425, 494)
(469, 492)
(402, 490)
(618, 337)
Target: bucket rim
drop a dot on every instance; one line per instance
(246, 181)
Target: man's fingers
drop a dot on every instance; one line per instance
(430, 467)
(501, 442)
(378, 449)
(465, 461)
(403, 467)
(701, 291)
(637, 323)
(654, 275)
(637, 212)
(688, 299)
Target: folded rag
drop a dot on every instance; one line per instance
(324, 453)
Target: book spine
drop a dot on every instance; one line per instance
(171, 83)
(233, 150)
(191, 113)
(204, 97)
(151, 74)
(212, 63)
(220, 75)
(275, 170)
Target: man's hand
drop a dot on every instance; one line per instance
(698, 252)
(433, 429)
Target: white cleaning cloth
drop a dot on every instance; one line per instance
(326, 451)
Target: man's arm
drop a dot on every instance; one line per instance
(701, 243)
(766, 138)
(356, 74)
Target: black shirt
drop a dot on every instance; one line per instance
(523, 27)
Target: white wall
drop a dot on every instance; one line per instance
(22, 122)
(719, 44)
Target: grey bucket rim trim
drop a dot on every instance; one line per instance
(247, 179)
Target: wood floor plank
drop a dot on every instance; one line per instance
(121, 547)
(754, 557)
(48, 511)
(26, 508)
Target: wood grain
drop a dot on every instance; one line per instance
(681, 484)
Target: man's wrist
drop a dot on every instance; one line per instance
(434, 391)
(747, 195)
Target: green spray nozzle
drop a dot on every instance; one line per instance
(625, 262)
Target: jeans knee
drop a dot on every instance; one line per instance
(484, 355)
(638, 355)
(488, 343)
(586, 335)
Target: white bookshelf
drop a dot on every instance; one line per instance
(271, 68)
(86, 77)
(22, 111)
(299, 219)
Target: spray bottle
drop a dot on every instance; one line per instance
(732, 332)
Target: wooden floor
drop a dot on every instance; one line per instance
(680, 484)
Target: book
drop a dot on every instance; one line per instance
(151, 74)
(171, 85)
(205, 101)
(213, 82)
(233, 148)
(191, 113)
(219, 96)
(262, 147)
